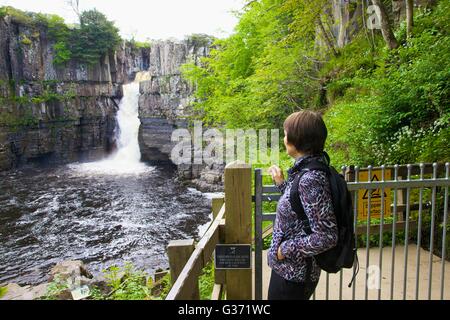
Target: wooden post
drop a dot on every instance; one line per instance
(238, 227)
(179, 252)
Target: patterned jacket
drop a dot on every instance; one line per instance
(289, 232)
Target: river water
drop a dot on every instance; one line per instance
(102, 213)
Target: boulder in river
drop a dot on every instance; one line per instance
(69, 269)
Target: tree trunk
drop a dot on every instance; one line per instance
(409, 17)
(343, 16)
(386, 29)
(326, 36)
(398, 11)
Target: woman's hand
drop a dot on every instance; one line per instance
(277, 174)
(279, 254)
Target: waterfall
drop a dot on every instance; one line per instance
(126, 160)
(128, 152)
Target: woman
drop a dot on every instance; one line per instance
(295, 273)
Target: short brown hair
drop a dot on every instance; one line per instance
(306, 130)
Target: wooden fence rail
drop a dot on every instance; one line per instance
(185, 286)
(187, 260)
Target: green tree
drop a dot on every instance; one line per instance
(94, 38)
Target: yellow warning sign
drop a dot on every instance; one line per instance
(376, 196)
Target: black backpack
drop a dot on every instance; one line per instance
(343, 255)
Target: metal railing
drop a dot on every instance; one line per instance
(409, 199)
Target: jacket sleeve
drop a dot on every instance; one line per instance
(282, 187)
(315, 196)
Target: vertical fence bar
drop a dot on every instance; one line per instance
(419, 233)
(394, 224)
(369, 199)
(444, 232)
(408, 196)
(355, 224)
(343, 169)
(327, 287)
(258, 235)
(433, 206)
(383, 170)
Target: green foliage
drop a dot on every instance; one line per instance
(200, 40)
(140, 44)
(374, 238)
(127, 283)
(267, 241)
(206, 282)
(85, 43)
(350, 131)
(61, 34)
(392, 106)
(255, 77)
(16, 15)
(62, 53)
(3, 291)
(95, 37)
(380, 105)
(26, 119)
(165, 284)
(25, 40)
(55, 288)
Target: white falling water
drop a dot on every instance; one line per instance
(126, 160)
(127, 119)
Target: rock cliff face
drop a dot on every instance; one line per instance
(54, 113)
(164, 106)
(59, 114)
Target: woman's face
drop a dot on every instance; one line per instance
(290, 148)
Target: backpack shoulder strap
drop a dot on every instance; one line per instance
(297, 206)
(294, 198)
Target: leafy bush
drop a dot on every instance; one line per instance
(55, 288)
(206, 282)
(127, 283)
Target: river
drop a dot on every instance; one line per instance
(103, 213)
